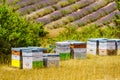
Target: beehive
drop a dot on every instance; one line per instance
(63, 48)
(27, 57)
(78, 49)
(51, 60)
(93, 45)
(16, 57)
(107, 47)
(44, 50)
(32, 58)
(117, 41)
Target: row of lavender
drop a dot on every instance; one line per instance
(57, 13)
(36, 6)
(26, 8)
(64, 11)
(107, 10)
(54, 10)
(85, 15)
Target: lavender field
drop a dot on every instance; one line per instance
(58, 13)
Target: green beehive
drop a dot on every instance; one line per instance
(65, 56)
(37, 64)
(32, 58)
(63, 48)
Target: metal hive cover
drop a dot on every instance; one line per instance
(97, 39)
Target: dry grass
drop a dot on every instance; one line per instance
(54, 32)
(92, 68)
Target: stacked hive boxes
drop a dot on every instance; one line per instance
(32, 58)
(118, 46)
(93, 45)
(17, 57)
(63, 48)
(78, 50)
(51, 60)
(28, 57)
(107, 47)
(117, 41)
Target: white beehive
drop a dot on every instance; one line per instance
(79, 53)
(107, 47)
(117, 45)
(32, 58)
(51, 60)
(93, 45)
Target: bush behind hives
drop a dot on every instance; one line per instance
(91, 31)
(16, 31)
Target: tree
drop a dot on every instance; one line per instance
(16, 31)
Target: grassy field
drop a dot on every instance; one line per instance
(92, 68)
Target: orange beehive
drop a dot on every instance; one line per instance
(16, 52)
(78, 45)
(78, 49)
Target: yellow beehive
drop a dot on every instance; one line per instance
(16, 63)
(16, 60)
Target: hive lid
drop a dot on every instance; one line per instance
(27, 50)
(62, 43)
(19, 49)
(31, 50)
(75, 42)
(51, 55)
(97, 39)
(37, 48)
(71, 41)
(109, 40)
(118, 40)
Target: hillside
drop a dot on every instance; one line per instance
(57, 13)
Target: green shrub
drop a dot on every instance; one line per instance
(16, 31)
(118, 3)
(91, 31)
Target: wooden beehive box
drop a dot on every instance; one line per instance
(117, 44)
(32, 58)
(16, 57)
(51, 60)
(93, 45)
(107, 47)
(63, 48)
(78, 53)
(77, 45)
(78, 49)
(44, 50)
